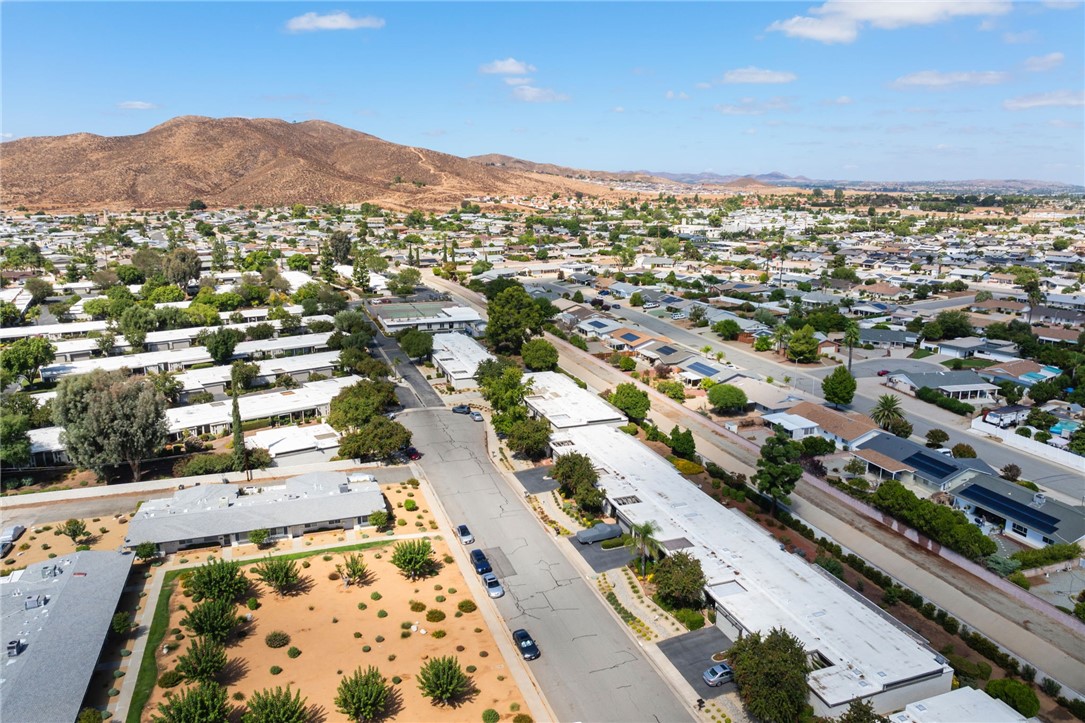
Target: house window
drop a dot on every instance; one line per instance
(1048, 541)
(1019, 529)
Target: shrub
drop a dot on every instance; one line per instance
(410, 505)
(375, 596)
(275, 670)
(692, 619)
(366, 648)
(439, 634)
(1023, 432)
(1051, 687)
(1016, 694)
(434, 615)
(382, 613)
(170, 679)
(523, 718)
(686, 467)
(277, 639)
(614, 542)
(490, 716)
(932, 396)
(1047, 555)
(467, 606)
(379, 639)
(1018, 578)
(293, 652)
(417, 607)
(252, 603)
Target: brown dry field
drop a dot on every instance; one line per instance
(41, 542)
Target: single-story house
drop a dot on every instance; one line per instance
(970, 346)
(846, 430)
(793, 425)
(1023, 372)
(456, 357)
(887, 456)
(1024, 515)
(888, 338)
(964, 384)
(1008, 416)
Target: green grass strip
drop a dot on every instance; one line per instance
(148, 668)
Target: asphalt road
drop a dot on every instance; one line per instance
(423, 393)
(590, 669)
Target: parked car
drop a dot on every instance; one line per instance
(528, 648)
(602, 531)
(482, 565)
(679, 316)
(883, 372)
(493, 585)
(717, 675)
(461, 409)
(465, 534)
(412, 453)
(477, 416)
(606, 307)
(13, 533)
(356, 477)
(651, 305)
(604, 292)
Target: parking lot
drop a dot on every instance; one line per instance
(602, 560)
(691, 654)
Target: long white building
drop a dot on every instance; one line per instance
(856, 651)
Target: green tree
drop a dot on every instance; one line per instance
(203, 660)
(74, 529)
(414, 558)
(299, 262)
(578, 297)
(530, 437)
(379, 438)
(727, 398)
(851, 340)
(963, 451)
(14, 440)
(727, 329)
(181, 266)
(39, 289)
(815, 446)
(204, 703)
(1015, 694)
(26, 356)
(327, 263)
(680, 580)
(630, 400)
(861, 711)
(379, 519)
(682, 443)
(146, 551)
(276, 705)
(259, 536)
(644, 534)
(240, 450)
(405, 282)
(539, 355)
(217, 579)
(340, 244)
(214, 619)
(777, 468)
(357, 404)
(574, 470)
(771, 675)
(281, 574)
(513, 317)
(839, 387)
(353, 570)
(802, 348)
(135, 323)
(416, 344)
(443, 681)
(936, 438)
(121, 624)
(218, 255)
(222, 342)
(502, 385)
(110, 418)
(887, 411)
(363, 696)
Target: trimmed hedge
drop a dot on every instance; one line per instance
(1047, 555)
(932, 396)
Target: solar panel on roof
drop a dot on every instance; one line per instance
(629, 336)
(670, 299)
(929, 465)
(702, 369)
(1013, 509)
(666, 350)
(597, 324)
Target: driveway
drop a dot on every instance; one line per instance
(602, 560)
(871, 367)
(423, 394)
(535, 480)
(691, 654)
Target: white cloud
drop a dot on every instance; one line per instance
(1054, 123)
(752, 106)
(513, 80)
(1054, 99)
(703, 86)
(1041, 63)
(332, 21)
(531, 94)
(751, 74)
(839, 21)
(842, 100)
(618, 109)
(937, 80)
(136, 105)
(6, 136)
(673, 95)
(508, 66)
(1025, 36)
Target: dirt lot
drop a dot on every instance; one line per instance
(331, 625)
(38, 543)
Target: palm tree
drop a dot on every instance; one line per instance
(720, 355)
(646, 541)
(781, 335)
(851, 339)
(887, 411)
(706, 350)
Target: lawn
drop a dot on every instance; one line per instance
(388, 622)
(969, 363)
(920, 354)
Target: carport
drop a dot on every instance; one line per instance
(691, 655)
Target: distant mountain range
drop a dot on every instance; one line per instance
(234, 161)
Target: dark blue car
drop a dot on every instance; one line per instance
(482, 565)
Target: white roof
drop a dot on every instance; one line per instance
(50, 330)
(790, 422)
(459, 354)
(259, 406)
(759, 584)
(196, 379)
(292, 438)
(964, 705)
(283, 343)
(166, 359)
(557, 398)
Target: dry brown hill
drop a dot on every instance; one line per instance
(498, 160)
(231, 161)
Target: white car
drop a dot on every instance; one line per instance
(493, 585)
(651, 305)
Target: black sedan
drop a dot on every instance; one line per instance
(528, 649)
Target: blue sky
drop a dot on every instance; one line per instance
(871, 90)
